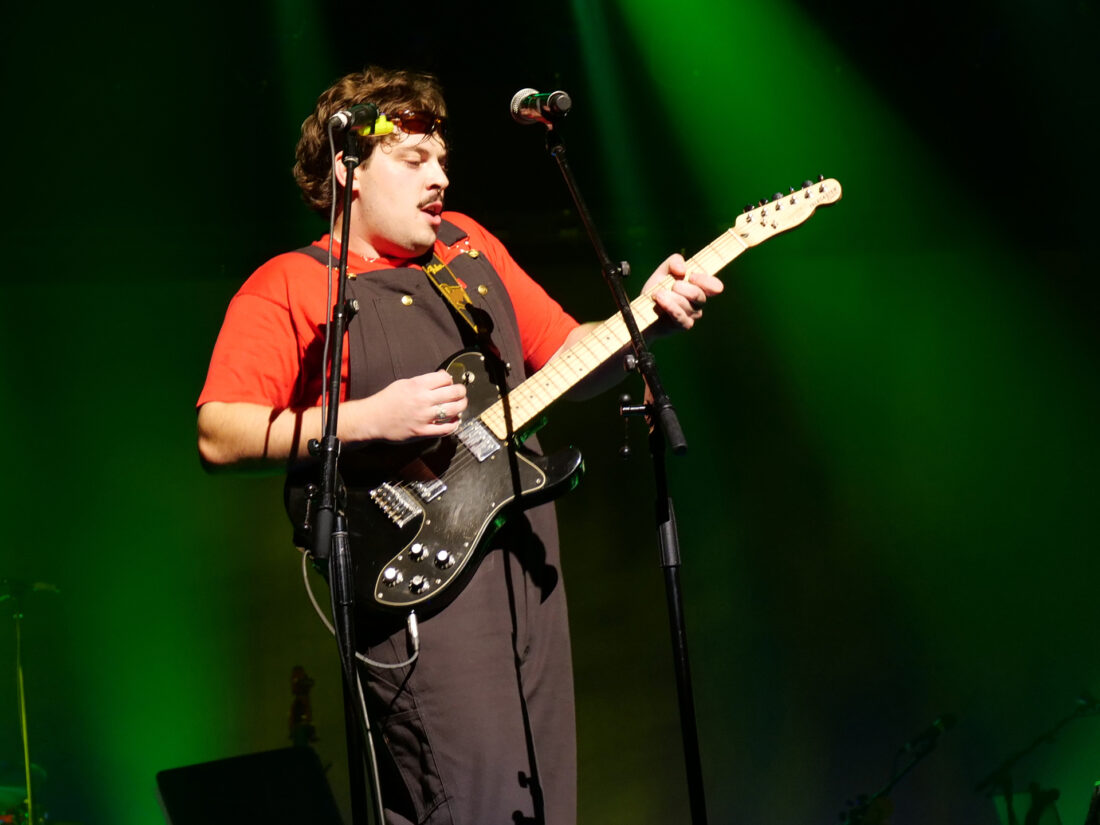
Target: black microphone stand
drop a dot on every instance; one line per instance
(330, 536)
(999, 780)
(862, 811)
(16, 591)
(667, 431)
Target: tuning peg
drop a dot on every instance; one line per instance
(820, 178)
(806, 184)
(792, 190)
(763, 202)
(778, 196)
(748, 207)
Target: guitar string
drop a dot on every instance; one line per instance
(531, 396)
(528, 396)
(614, 328)
(724, 248)
(711, 259)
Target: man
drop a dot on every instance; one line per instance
(479, 730)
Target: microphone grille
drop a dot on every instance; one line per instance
(517, 102)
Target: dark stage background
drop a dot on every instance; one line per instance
(889, 509)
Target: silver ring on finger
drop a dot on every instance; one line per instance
(441, 416)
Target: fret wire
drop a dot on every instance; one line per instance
(571, 366)
(706, 257)
(575, 363)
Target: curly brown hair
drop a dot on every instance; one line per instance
(390, 90)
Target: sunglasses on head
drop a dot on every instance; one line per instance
(409, 122)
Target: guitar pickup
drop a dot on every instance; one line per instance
(429, 490)
(396, 503)
(478, 440)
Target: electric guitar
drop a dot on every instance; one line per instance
(419, 513)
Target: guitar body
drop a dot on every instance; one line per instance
(420, 515)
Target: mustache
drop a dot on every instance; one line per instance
(429, 201)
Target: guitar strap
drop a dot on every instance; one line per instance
(475, 325)
(453, 292)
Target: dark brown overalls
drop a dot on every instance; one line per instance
(488, 706)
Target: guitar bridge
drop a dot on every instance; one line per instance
(478, 440)
(396, 503)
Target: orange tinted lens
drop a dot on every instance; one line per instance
(419, 123)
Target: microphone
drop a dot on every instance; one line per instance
(928, 737)
(354, 116)
(530, 106)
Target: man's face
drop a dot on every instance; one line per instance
(400, 195)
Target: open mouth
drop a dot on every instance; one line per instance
(433, 210)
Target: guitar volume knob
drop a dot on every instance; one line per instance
(391, 577)
(418, 584)
(417, 552)
(444, 559)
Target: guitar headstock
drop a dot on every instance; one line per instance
(783, 212)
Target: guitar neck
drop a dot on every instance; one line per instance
(572, 365)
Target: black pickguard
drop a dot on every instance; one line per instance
(419, 514)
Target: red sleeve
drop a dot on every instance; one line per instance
(543, 324)
(271, 337)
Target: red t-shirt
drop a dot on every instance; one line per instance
(279, 311)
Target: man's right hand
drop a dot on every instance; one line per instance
(426, 406)
(239, 435)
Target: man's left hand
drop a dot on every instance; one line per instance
(682, 304)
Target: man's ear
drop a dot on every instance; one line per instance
(342, 173)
